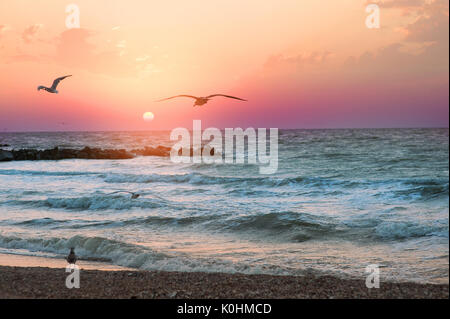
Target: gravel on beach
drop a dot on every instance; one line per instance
(40, 282)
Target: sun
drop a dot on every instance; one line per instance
(148, 116)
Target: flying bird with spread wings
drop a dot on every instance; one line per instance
(202, 100)
(52, 89)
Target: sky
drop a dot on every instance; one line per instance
(300, 64)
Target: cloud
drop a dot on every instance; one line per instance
(421, 56)
(429, 29)
(74, 49)
(403, 83)
(142, 58)
(23, 58)
(394, 62)
(431, 24)
(3, 29)
(398, 3)
(431, 18)
(29, 33)
(417, 8)
(299, 60)
(121, 44)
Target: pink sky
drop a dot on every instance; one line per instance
(301, 64)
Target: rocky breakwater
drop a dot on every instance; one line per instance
(63, 153)
(162, 151)
(88, 153)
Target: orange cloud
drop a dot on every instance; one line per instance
(75, 50)
(30, 32)
(306, 58)
(3, 29)
(431, 25)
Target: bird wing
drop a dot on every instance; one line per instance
(229, 96)
(119, 192)
(56, 81)
(182, 95)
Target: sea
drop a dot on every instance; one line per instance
(340, 201)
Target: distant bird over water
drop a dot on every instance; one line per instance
(133, 195)
(52, 89)
(202, 100)
(72, 258)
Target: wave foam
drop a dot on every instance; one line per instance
(405, 230)
(91, 203)
(134, 256)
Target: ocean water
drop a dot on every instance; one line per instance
(340, 201)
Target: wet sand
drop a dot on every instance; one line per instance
(40, 282)
(36, 261)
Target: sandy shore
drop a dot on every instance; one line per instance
(35, 261)
(39, 282)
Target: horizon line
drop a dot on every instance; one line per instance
(284, 129)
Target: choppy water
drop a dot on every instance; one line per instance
(341, 200)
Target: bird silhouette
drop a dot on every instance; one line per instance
(202, 100)
(133, 195)
(72, 258)
(52, 89)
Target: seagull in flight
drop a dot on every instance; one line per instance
(133, 195)
(202, 100)
(52, 89)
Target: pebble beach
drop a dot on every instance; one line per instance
(41, 282)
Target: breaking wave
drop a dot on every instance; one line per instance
(98, 202)
(133, 256)
(44, 173)
(283, 226)
(403, 189)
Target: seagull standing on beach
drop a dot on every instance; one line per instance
(202, 100)
(52, 89)
(72, 258)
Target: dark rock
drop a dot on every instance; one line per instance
(6, 156)
(162, 151)
(59, 154)
(191, 151)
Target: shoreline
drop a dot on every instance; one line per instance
(23, 282)
(18, 260)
